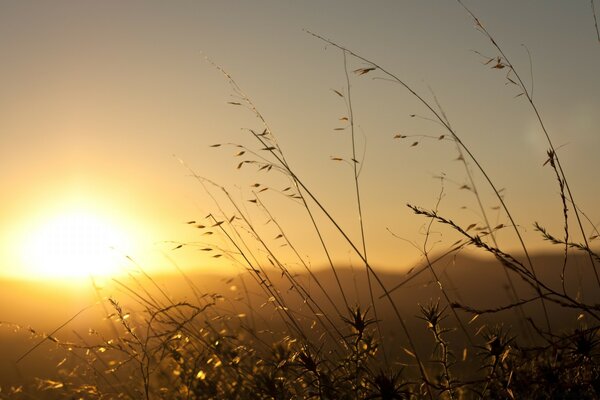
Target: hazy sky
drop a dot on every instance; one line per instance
(97, 96)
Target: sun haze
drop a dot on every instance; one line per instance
(97, 97)
(74, 244)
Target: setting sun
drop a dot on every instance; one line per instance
(74, 244)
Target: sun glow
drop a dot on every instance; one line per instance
(74, 245)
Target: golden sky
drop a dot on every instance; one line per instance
(99, 101)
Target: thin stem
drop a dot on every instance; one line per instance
(458, 140)
(359, 203)
(473, 186)
(273, 148)
(595, 20)
(425, 253)
(542, 126)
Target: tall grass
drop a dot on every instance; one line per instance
(296, 338)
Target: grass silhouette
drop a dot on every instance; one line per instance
(290, 336)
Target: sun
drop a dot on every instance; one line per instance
(73, 245)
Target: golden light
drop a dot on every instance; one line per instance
(73, 245)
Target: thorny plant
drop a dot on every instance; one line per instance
(442, 355)
(321, 346)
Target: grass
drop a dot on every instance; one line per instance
(292, 336)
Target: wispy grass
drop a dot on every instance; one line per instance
(291, 336)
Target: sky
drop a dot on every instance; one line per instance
(101, 101)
